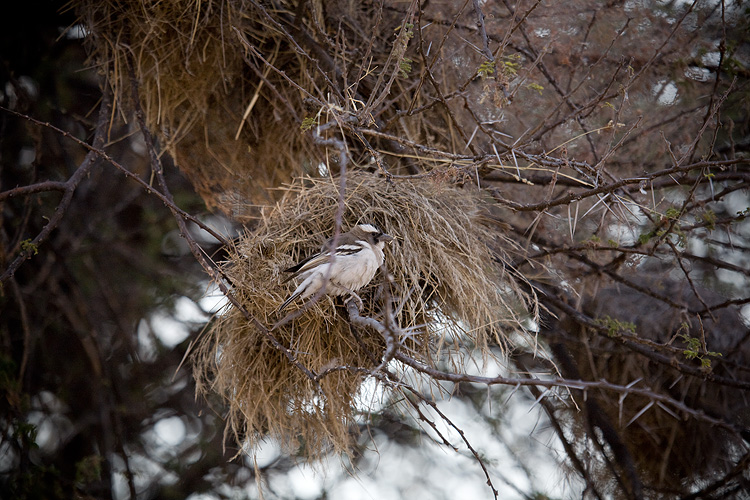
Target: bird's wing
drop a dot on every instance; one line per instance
(321, 258)
(306, 264)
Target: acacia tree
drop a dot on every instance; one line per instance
(580, 167)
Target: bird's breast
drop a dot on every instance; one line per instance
(355, 271)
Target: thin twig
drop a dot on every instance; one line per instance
(68, 187)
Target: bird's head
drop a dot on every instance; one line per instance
(369, 231)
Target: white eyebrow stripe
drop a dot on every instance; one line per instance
(368, 228)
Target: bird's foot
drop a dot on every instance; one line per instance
(355, 297)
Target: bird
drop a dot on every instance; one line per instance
(357, 256)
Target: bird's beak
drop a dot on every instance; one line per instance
(386, 238)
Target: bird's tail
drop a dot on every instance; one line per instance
(287, 302)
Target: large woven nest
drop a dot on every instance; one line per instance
(230, 88)
(202, 91)
(226, 91)
(445, 279)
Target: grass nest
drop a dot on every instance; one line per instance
(230, 88)
(444, 276)
(205, 88)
